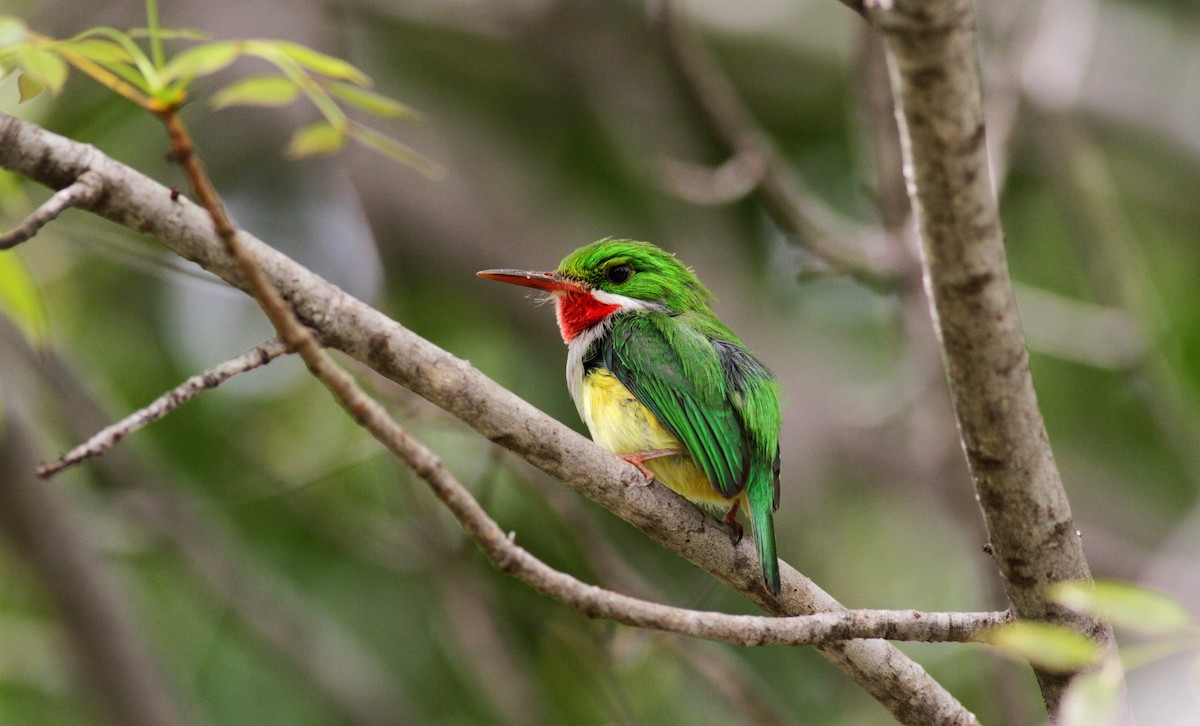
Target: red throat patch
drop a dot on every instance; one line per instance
(578, 311)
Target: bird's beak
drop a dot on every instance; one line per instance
(548, 281)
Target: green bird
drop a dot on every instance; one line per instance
(661, 382)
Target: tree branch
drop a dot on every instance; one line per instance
(111, 435)
(932, 63)
(81, 192)
(362, 332)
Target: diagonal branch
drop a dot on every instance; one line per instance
(933, 68)
(363, 332)
(81, 192)
(111, 435)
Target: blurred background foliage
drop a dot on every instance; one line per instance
(556, 121)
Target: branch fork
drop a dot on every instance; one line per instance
(82, 192)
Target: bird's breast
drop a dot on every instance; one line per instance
(617, 420)
(621, 424)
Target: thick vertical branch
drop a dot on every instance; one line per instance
(934, 77)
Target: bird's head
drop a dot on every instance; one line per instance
(611, 276)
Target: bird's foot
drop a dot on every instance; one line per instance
(639, 461)
(731, 520)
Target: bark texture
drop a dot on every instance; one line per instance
(935, 80)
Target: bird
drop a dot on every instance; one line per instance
(661, 382)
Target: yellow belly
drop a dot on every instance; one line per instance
(619, 423)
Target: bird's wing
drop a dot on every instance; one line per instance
(675, 371)
(754, 393)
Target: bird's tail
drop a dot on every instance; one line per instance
(760, 495)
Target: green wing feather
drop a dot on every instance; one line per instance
(755, 396)
(676, 372)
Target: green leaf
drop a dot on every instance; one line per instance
(201, 60)
(1126, 606)
(1046, 646)
(256, 91)
(371, 102)
(28, 88)
(316, 140)
(387, 145)
(316, 61)
(127, 72)
(150, 78)
(43, 67)
(20, 298)
(101, 51)
(1092, 698)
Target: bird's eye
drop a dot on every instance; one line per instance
(619, 273)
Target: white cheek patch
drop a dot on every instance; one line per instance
(627, 304)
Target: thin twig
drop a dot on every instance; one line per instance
(111, 435)
(83, 191)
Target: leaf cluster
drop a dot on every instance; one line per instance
(1164, 626)
(160, 84)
